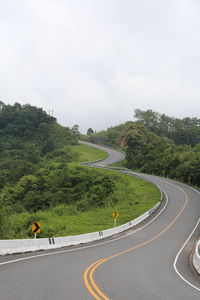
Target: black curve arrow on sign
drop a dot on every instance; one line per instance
(37, 227)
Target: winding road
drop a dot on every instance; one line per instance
(149, 262)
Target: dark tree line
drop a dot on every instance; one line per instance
(150, 153)
(184, 131)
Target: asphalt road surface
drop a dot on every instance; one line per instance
(146, 263)
(113, 155)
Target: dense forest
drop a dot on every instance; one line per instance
(36, 170)
(27, 134)
(157, 144)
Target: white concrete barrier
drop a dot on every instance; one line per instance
(29, 245)
(196, 257)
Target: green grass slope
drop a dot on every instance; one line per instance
(89, 209)
(87, 153)
(131, 198)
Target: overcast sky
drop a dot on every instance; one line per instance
(93, 62)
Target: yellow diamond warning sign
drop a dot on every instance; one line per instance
(115, 214)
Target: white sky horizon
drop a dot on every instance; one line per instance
(94, 62)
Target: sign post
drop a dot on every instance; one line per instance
(115, 215)
(36, 228)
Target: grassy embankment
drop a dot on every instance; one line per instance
(131, 198)
(86, 153)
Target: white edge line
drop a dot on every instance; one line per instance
(177, 256)
(90, 246)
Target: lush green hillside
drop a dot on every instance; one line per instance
(42, 181)
(157, 144)
(74, 201)
(71, 199)
(111, 137)
(27, 134)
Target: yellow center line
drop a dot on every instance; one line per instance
(87, 283)
(93, 282)
(91, 269)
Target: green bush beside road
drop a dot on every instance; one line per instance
(69, 199)
(130, 197)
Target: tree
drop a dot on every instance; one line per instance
(182, 131)
(90, 131)
(75, 130)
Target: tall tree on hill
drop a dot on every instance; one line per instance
(75, 130)
(90, 131)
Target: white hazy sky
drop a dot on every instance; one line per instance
(95, 61)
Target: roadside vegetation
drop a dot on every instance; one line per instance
(157, 144)
(42, 181)
(88, 210)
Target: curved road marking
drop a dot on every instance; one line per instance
(177, 256)
(91, 269)
(87, 283)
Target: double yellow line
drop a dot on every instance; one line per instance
(89, 272)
